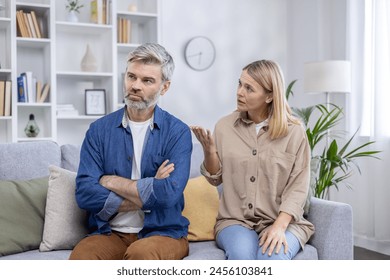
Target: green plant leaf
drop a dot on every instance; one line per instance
(289, 89)
(335, 165)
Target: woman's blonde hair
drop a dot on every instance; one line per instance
(268, 74)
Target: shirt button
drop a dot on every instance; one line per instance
(129, 158)
(250, 205)
(253, 179)
(254, 152)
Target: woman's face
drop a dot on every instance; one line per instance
(251, 97)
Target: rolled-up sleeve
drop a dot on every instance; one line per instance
(145, 189)
(215, 179)
(110, 207)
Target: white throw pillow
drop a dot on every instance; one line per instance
(65, 223)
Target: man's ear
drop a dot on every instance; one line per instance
(165, 87)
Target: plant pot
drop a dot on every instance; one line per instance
(72, 17)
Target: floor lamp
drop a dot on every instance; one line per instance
(331, 76)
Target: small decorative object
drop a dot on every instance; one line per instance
(32, 128)
(95, 102)
(132, 8)
(199, 53)
(88, 63)
(73, 7)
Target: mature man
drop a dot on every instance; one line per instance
(134, 166)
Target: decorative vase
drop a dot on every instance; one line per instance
(88, 63)
(72, 17)
(32, 128)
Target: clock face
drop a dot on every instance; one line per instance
(199, 53)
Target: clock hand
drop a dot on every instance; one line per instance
(200, 58)
(196, 54)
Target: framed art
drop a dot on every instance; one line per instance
(95, 102)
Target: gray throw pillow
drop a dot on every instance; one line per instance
(65, 223)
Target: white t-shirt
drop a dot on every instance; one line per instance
(261, 125)
(133, 221)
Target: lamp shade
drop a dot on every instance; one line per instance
(327, 76)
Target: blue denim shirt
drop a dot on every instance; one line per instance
(108, 150)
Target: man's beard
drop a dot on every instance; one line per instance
(144, 103)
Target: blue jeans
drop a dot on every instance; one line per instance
(240, 243)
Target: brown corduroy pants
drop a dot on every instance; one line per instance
(119, 246)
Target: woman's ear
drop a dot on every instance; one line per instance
(269, 100)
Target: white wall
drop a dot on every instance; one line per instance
(242, 31)
(291, 32)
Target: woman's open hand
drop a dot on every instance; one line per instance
(205, 138)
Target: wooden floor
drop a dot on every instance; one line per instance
(364, 254)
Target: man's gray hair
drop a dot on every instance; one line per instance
(151, 53)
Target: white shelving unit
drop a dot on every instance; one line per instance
(7, 60)
(56, 59)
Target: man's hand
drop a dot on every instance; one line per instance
(164, 170)
(124, 187)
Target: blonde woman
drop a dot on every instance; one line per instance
(261, 155)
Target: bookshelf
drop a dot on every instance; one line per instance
(7, 60)
(55, 58)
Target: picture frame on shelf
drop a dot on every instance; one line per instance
(95, 102)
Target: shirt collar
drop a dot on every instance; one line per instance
(243, 117)
(155, 121)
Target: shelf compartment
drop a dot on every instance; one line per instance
(71, 48)
(42, 12)
(71, 89)
(42, 117)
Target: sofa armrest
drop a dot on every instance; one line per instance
(333, 237)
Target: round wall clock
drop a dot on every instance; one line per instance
(199, 53)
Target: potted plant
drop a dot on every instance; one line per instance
(73, 7)
(336, 162)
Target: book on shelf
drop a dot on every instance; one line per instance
(67, 110)
(124, 30)
(97, 11)
(2, 97)
(22, 28)
(38, 89)
(31, 90)
(21, 89)
(101, 11)
(29, 86)
(7, 98)
(45, 93)
(25, 19)
(36, 25)
(31, 25)
(28, 24)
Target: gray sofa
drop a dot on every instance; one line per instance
(22, 161)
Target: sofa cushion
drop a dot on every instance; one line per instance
(22, 209)
(70, 157)
(28, 160)
(65, 223)
(200, 208)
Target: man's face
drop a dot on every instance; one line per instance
(143, 85)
